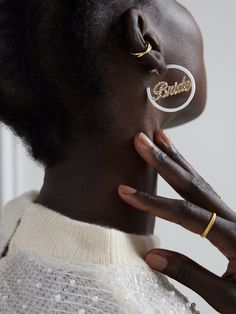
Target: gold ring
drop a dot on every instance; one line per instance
(208, 228)
(141, 54)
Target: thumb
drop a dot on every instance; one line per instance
(181, 268)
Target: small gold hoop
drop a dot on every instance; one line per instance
(208, 228)
(154, 71)
(141, 54)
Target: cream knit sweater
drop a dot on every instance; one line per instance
(56, 264)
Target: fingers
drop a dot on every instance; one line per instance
(163, 141)
(219, 293)
(177, 172)
(173, 173)
(200, 188)
(177, 211)
(191, 217)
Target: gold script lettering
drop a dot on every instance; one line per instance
(163, 90)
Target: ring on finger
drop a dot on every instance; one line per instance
(210, 225)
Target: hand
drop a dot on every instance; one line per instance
(192, 213)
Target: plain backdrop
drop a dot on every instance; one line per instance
(208, 143)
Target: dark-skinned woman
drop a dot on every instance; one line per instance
(79, 80)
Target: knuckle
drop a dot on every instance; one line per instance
(149, 200)
(180, 211)
(176, 155)
(199, 184)
(160, 156)
(186, 186)
(184, 274)
(184, 209)
(187, 207)
(196, 184)
(179, 206)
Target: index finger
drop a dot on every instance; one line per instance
(185, 214)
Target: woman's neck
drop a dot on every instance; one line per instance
(84, 187)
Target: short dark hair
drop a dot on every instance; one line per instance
(49, 67)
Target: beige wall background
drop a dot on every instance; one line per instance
(208, 143)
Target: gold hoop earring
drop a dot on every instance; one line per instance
(154, 71)
(141, 54)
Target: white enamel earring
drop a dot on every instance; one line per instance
(163, 90)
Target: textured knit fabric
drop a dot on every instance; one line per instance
(55, 264)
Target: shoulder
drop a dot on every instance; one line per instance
(11, 215)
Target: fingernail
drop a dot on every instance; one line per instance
(156, 261)
(165, 137)
(126, 189)
(145, 141)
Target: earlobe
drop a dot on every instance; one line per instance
(141, 35)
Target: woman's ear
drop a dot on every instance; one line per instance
(139, 29)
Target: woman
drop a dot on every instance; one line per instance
(73, 80)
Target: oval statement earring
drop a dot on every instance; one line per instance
(163, 90)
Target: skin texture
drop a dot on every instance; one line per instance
(84, 185)
(191, 213)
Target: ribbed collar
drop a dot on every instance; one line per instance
(45, 232)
